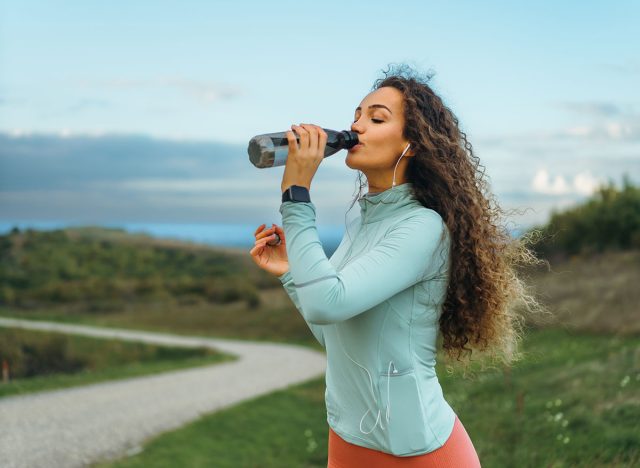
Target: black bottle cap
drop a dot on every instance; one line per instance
(350, 139)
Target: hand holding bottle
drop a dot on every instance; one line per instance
(303, 161)
(271, 149)
(271, 258)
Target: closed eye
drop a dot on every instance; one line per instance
(373, 120)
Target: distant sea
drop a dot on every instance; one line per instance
(215, 234)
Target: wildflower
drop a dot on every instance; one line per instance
(311, 445)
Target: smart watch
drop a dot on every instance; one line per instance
(296, 193)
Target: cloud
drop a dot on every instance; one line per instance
(224, 186)
(606, 131)
(20, 132)
(583, 183)
(88, 103)
(598, 109)
(628, 68)
(183, 185)
(10, 101)
(204, 91)
(617, 131)
(200, 90)
(119, 176)
(603, 121)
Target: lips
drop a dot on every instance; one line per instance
(357, 147)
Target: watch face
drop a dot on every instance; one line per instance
(299, 193)
(296, 193)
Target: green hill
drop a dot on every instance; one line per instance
(105, 268)
(608, 221)
(112, 277)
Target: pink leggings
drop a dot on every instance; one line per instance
(457, 452)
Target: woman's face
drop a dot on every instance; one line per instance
(379, 121)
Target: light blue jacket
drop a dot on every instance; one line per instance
(374, 306)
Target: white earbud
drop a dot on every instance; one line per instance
(393, 184)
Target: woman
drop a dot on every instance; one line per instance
(426, 256)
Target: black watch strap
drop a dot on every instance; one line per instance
(296, 193)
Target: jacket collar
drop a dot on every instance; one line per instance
(377, 206)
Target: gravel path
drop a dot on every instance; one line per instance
(77, 426)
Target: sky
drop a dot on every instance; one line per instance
(142, 111)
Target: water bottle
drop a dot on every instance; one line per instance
(271, 149)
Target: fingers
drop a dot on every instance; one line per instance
(266, 236)
(323, 139)
(304, 136)
(257, 249)
(262, 242)
(269, 239)
(312, 138)
(261, 232)
(291, 139)
(264, 233)
(312, 135)
(317, 138)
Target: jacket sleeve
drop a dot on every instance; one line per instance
(287, 283)
(407, 254)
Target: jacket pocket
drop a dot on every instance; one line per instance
(406, 431)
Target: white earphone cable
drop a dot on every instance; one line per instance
(388, 411)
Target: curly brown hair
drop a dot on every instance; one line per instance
(484, 291)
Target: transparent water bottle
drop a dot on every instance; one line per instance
(271, 149)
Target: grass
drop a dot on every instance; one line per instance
(597, 293)
(95, 360)
(283, 429)
(573, 401)
(276, 320)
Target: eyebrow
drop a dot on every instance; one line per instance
(375, 105)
